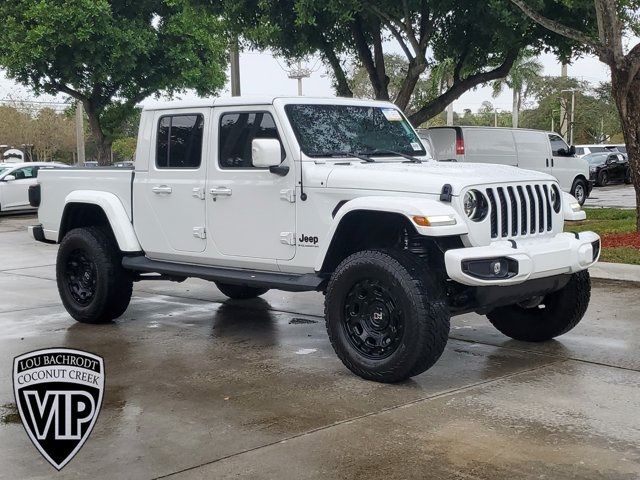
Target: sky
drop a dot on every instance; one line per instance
(261, 73)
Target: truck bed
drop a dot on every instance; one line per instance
(57, 184)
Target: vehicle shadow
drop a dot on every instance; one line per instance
(245, 321)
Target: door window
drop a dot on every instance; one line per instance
(237, 131)
(25, 173)
(179, 141)
(557, 143)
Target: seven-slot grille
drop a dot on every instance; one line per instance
(521, 210)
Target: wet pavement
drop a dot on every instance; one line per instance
(201, 387)
(614, 196)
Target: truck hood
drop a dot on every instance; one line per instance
(427, 177)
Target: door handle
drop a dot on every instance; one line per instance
(547, 162)
(161, 189)
(220, 192)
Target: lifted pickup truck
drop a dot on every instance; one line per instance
(332, 195)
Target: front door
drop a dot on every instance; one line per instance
(16, 192)
(170, 201)
(564, 167)
(250, 211)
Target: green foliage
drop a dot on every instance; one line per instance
(111, 54)
(124, 148)
(596, 116)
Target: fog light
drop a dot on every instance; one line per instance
(491, 268)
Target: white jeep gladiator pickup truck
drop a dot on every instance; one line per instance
(330, 195)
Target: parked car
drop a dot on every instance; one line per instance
(15, 179)
(535, 150)
(331, 195)
(582, 150)
(605, 168)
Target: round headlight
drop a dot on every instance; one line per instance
(475, 205)
(556, 198)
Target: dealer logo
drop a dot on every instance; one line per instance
(58, 392)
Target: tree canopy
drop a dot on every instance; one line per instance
(479, 40)
(111, 54)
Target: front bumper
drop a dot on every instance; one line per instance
(564, 253)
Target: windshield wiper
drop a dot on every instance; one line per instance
(350, 154)
(411, 158)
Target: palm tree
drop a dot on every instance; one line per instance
(525, 69)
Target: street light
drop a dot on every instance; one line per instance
(573, 110)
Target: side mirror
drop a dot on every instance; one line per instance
(9, 178)
(572, 150)
(266, 152)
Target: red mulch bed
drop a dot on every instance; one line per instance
(622, 240)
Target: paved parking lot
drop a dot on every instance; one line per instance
(618, 196)
(199, 387)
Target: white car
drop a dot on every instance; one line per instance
(332, 195)
(582, 150)
(537, 150)
(15, 180)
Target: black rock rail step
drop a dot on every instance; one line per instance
(252, 278)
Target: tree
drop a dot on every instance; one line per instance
(596, 116)
(427, 32)
(111, 54)
(603, 33)
(524, 71)
(396, 67)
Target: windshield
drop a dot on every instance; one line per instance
(333, 130)
(596, 159)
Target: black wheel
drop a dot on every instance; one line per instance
(384, 318)
(579, 190)
(240, 292)
(603, 179)
(627, 178)
(558, 313)
(93, 286)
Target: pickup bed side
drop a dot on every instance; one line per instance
(105, 197)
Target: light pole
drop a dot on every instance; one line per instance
(573, 112)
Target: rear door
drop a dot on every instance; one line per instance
(170, 202)
(443, 143)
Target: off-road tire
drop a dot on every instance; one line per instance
(579, 183)
(113, 284)
(425, 320)
(240, 292)
(562, 311)
(603, 179)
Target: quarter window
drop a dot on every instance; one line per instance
(237, 132)
(179, 142)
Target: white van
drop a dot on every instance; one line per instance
(531, 149)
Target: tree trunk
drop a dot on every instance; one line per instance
(409, 83)
(627, 96)
(515, 113)
(103, 143)
(341, 83)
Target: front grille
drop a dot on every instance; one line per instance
(520, 211)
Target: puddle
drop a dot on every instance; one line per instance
(301, 321)
(9, 414)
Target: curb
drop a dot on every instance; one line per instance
(615, 271)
